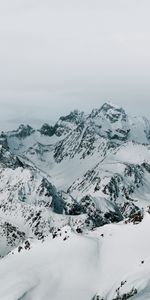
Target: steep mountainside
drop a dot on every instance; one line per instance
(104, 155)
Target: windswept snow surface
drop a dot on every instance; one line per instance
(82, 266)
(55, 269)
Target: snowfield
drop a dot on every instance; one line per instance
(109, 260)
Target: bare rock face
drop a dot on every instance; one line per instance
(23, 131)
(47, 130)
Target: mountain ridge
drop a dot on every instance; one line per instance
(74, 180)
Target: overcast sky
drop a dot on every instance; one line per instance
(57, 55)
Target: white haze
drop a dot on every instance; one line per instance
(58, 55)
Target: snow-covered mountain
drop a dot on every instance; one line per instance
(104, 155)
(72, 194)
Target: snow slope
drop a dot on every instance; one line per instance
(110, 261)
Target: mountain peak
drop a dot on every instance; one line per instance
(113, 113)
(47, 129)
(74, 116)
(23, 131)
(110, 111)
(109, 105)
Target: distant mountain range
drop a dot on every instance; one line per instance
(84, 183)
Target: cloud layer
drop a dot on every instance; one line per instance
(60, 54)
